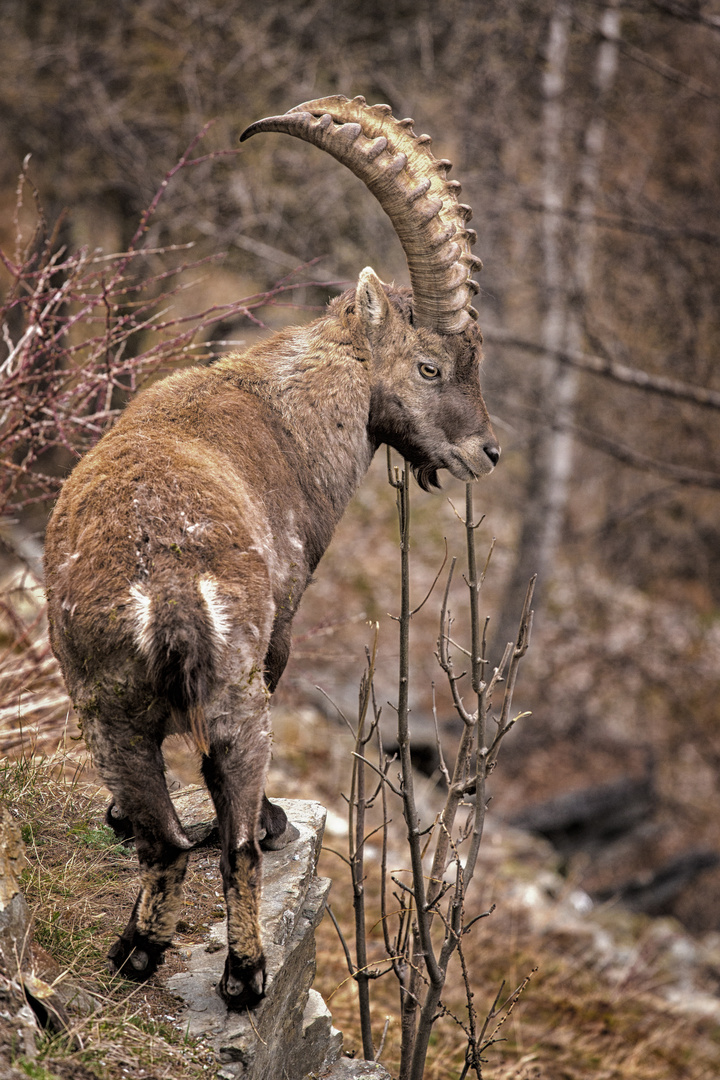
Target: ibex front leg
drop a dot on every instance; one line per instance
(234, 771)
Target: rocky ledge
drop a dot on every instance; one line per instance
(290, 1034)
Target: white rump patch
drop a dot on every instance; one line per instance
(141, 605)
(216, 608)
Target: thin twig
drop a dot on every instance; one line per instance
(343, 942)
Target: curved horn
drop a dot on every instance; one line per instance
(412, 187)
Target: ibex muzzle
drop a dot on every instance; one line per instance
(181, 545)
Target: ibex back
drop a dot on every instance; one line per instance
(181, 545)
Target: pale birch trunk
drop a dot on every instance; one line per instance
(568, 286)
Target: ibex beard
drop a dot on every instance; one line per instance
(181, 545)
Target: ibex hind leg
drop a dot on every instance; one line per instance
(140, 949)
(234, 771)
(133, 770)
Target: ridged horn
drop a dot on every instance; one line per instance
(412, 187)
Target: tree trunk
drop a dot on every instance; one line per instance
(568, 286)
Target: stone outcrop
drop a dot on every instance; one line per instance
(290, 1034)
(14, 915)
(346, 1069)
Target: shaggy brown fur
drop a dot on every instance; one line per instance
(179, 550)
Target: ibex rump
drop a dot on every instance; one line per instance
(182, 543)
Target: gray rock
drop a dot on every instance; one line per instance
(349, 1069)
(15, 929)
(19, 1030)
(290, 1033)
(321, 1042)
(197, 813)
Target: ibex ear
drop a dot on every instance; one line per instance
(371, 304)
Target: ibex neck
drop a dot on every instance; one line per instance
(313, 381)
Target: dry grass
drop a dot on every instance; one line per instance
(572, 1022)
(76, 882)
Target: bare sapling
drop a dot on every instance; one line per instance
(433, 909)
(82, 329)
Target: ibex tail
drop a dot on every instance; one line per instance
(180, 629)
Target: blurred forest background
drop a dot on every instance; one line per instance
(587, 139)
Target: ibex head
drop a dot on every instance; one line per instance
(425, 349)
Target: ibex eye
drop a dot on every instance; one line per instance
(429, 371)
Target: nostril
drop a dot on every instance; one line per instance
(492, 450)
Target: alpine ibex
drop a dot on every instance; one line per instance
(181, 545)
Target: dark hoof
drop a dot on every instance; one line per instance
(275, 830)
(137, 959)
(273, 823)
(122, 826)
(274, 843)
(242, 985)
